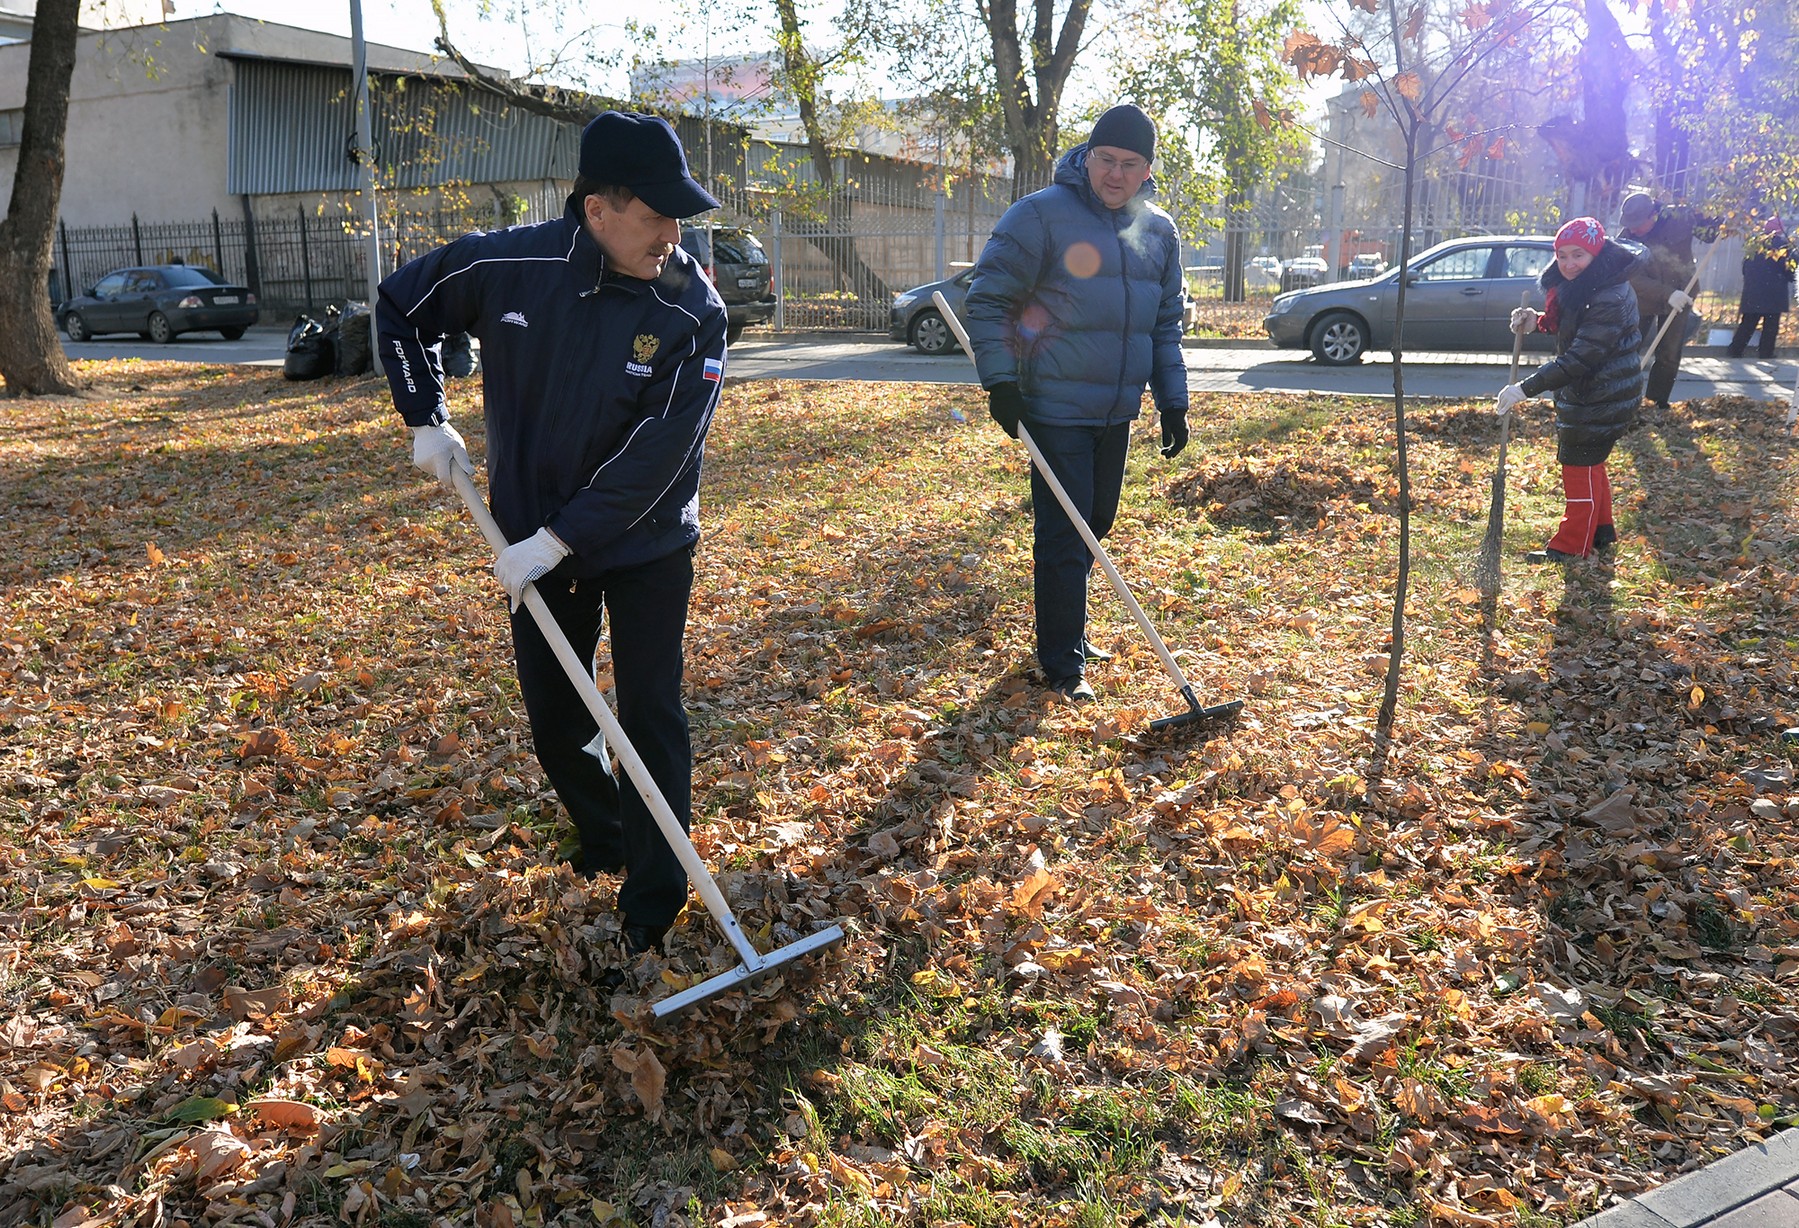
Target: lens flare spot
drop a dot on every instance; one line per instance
(1081, 259)
(1032, 321)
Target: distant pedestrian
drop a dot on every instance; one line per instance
(1596, 375)
(1667, 231)
(1767, 288)
(1075, 306)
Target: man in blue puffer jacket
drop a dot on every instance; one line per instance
(603, 349)
(1075, 306)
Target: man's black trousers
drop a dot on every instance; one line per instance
(1089, 462)
(647, 606)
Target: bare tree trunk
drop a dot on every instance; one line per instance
(1031, 122)
(32, 361)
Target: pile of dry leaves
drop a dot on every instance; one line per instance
(285, 937)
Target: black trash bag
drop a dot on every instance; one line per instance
(458, 355)
(311, 352)
(355, 341)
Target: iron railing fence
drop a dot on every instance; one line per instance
(837, 256)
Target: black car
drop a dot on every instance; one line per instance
(740, 272)
(159, 302)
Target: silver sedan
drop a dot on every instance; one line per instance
(1459, 296)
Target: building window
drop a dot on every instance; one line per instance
(12, 127)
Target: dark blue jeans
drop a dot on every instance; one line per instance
(648, 607)
(1089, 462)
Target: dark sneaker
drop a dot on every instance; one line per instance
(1094, 654)
(1605, 537)
(1549, 554)
(1075, 690)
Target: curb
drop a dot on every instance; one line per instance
(1757, 1187)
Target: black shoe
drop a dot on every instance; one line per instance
(1075, 690)
(1605, 537)
(1663, 406)
(634, 941)
(641, 938)
(1549, 554)
(1094, 654)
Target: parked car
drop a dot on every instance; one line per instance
(1366, 265)
(740, 272)
(159, 302)
(916, 320)
(1307, 270)
(1261, 273)
(1459, 296)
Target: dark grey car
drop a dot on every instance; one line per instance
(1459, 296)
(916, 320)
(159, 302)
(741, 273)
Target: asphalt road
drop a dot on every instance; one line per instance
(1210, 368)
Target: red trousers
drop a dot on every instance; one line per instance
(1589, 494)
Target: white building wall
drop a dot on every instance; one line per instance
(149, 113)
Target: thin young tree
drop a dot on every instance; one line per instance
(1419, 73)
(801, 75)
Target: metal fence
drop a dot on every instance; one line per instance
(299, 261)
(838, 256)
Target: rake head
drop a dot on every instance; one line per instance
(743, 974)
(1197, 714)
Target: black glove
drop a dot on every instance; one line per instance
(1174, 431)
(1005, 404)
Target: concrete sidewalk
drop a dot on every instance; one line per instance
(1758, 1187)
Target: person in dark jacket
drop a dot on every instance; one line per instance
(603, 350)
(1596, 375)
(1660, 282)
(1074, 307)
(1767, 288)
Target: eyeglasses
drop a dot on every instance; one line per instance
(1106, 164)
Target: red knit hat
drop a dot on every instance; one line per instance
(1582, 232)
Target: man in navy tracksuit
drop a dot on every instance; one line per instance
(603, 349)
(1075, 306)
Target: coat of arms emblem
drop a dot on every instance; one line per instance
(645, 346)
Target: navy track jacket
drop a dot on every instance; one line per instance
(598, 387)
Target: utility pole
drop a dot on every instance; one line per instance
(365, 144)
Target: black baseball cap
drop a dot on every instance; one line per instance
(642, 152)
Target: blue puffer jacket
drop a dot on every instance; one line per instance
(1080, 304)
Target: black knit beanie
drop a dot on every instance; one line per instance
(1126, 127)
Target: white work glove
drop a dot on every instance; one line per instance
(523, 562)
(439, 451)
(1679, 300)
(1510, 395)
(1524, 320)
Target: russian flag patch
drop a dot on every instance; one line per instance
(713, 370)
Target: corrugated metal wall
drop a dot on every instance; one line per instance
(292, 124)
